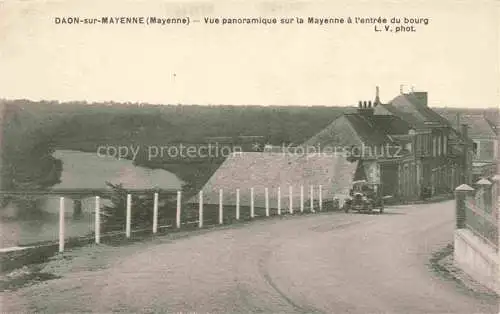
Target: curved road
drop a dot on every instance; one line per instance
(325, 263)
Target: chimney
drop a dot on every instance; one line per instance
(466, 170)
(377, 96)
(421, 98)
(366, 109)
(360, 104)
(401, 89)
(458, 121)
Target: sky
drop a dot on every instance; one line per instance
(455, 57)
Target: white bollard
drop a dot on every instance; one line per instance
(200, 210)
(61, 224)
(311, 198)
(279, 200)
(128, 217)
(155, 213)
(221, 207)
(252, 207)
(178, 210)
(301, 198)
(320, 198)
(237, 204)
(266, 192)
(97, 220)
(290, 199)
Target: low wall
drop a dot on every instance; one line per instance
(477, 259)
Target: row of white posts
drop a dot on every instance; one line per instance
(200, 210)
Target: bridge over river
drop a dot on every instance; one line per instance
(29, 216)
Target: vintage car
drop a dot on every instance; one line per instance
(364, 197)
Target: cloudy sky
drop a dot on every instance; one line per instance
(455, 57)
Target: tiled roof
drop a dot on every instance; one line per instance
(413, 109)
(273, 170)
(368, 129)
(360, 131)
(392, 125)
(339, 132)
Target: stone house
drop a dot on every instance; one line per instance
(411, 146)
(484, 141)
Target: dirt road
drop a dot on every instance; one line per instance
(325, 263)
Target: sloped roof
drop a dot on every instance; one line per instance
(495, 126)
(339, 132)
(368, 129)
(413, 109)
(392, 125)
(272, 170)
(479, 126)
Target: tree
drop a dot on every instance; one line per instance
(114, 215)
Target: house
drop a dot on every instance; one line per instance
(411, 147)
(493, 118)
(484, 141)
(439, 159)
(403, 145)
(379, 143)
(273, 170)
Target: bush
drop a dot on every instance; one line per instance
(142, 212)
(114, 215)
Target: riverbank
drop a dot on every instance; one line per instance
(29, 219)
(193, 174)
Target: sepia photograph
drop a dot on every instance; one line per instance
(212, 157)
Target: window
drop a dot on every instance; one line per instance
(427, 144)
(439, 145)
(475, 149)
(424, 143)
(434, 146)
(445, 145)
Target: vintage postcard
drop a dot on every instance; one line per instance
(249, 157)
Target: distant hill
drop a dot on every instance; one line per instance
(31, 130)
(83, 124)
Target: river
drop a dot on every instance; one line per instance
(80, 170)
